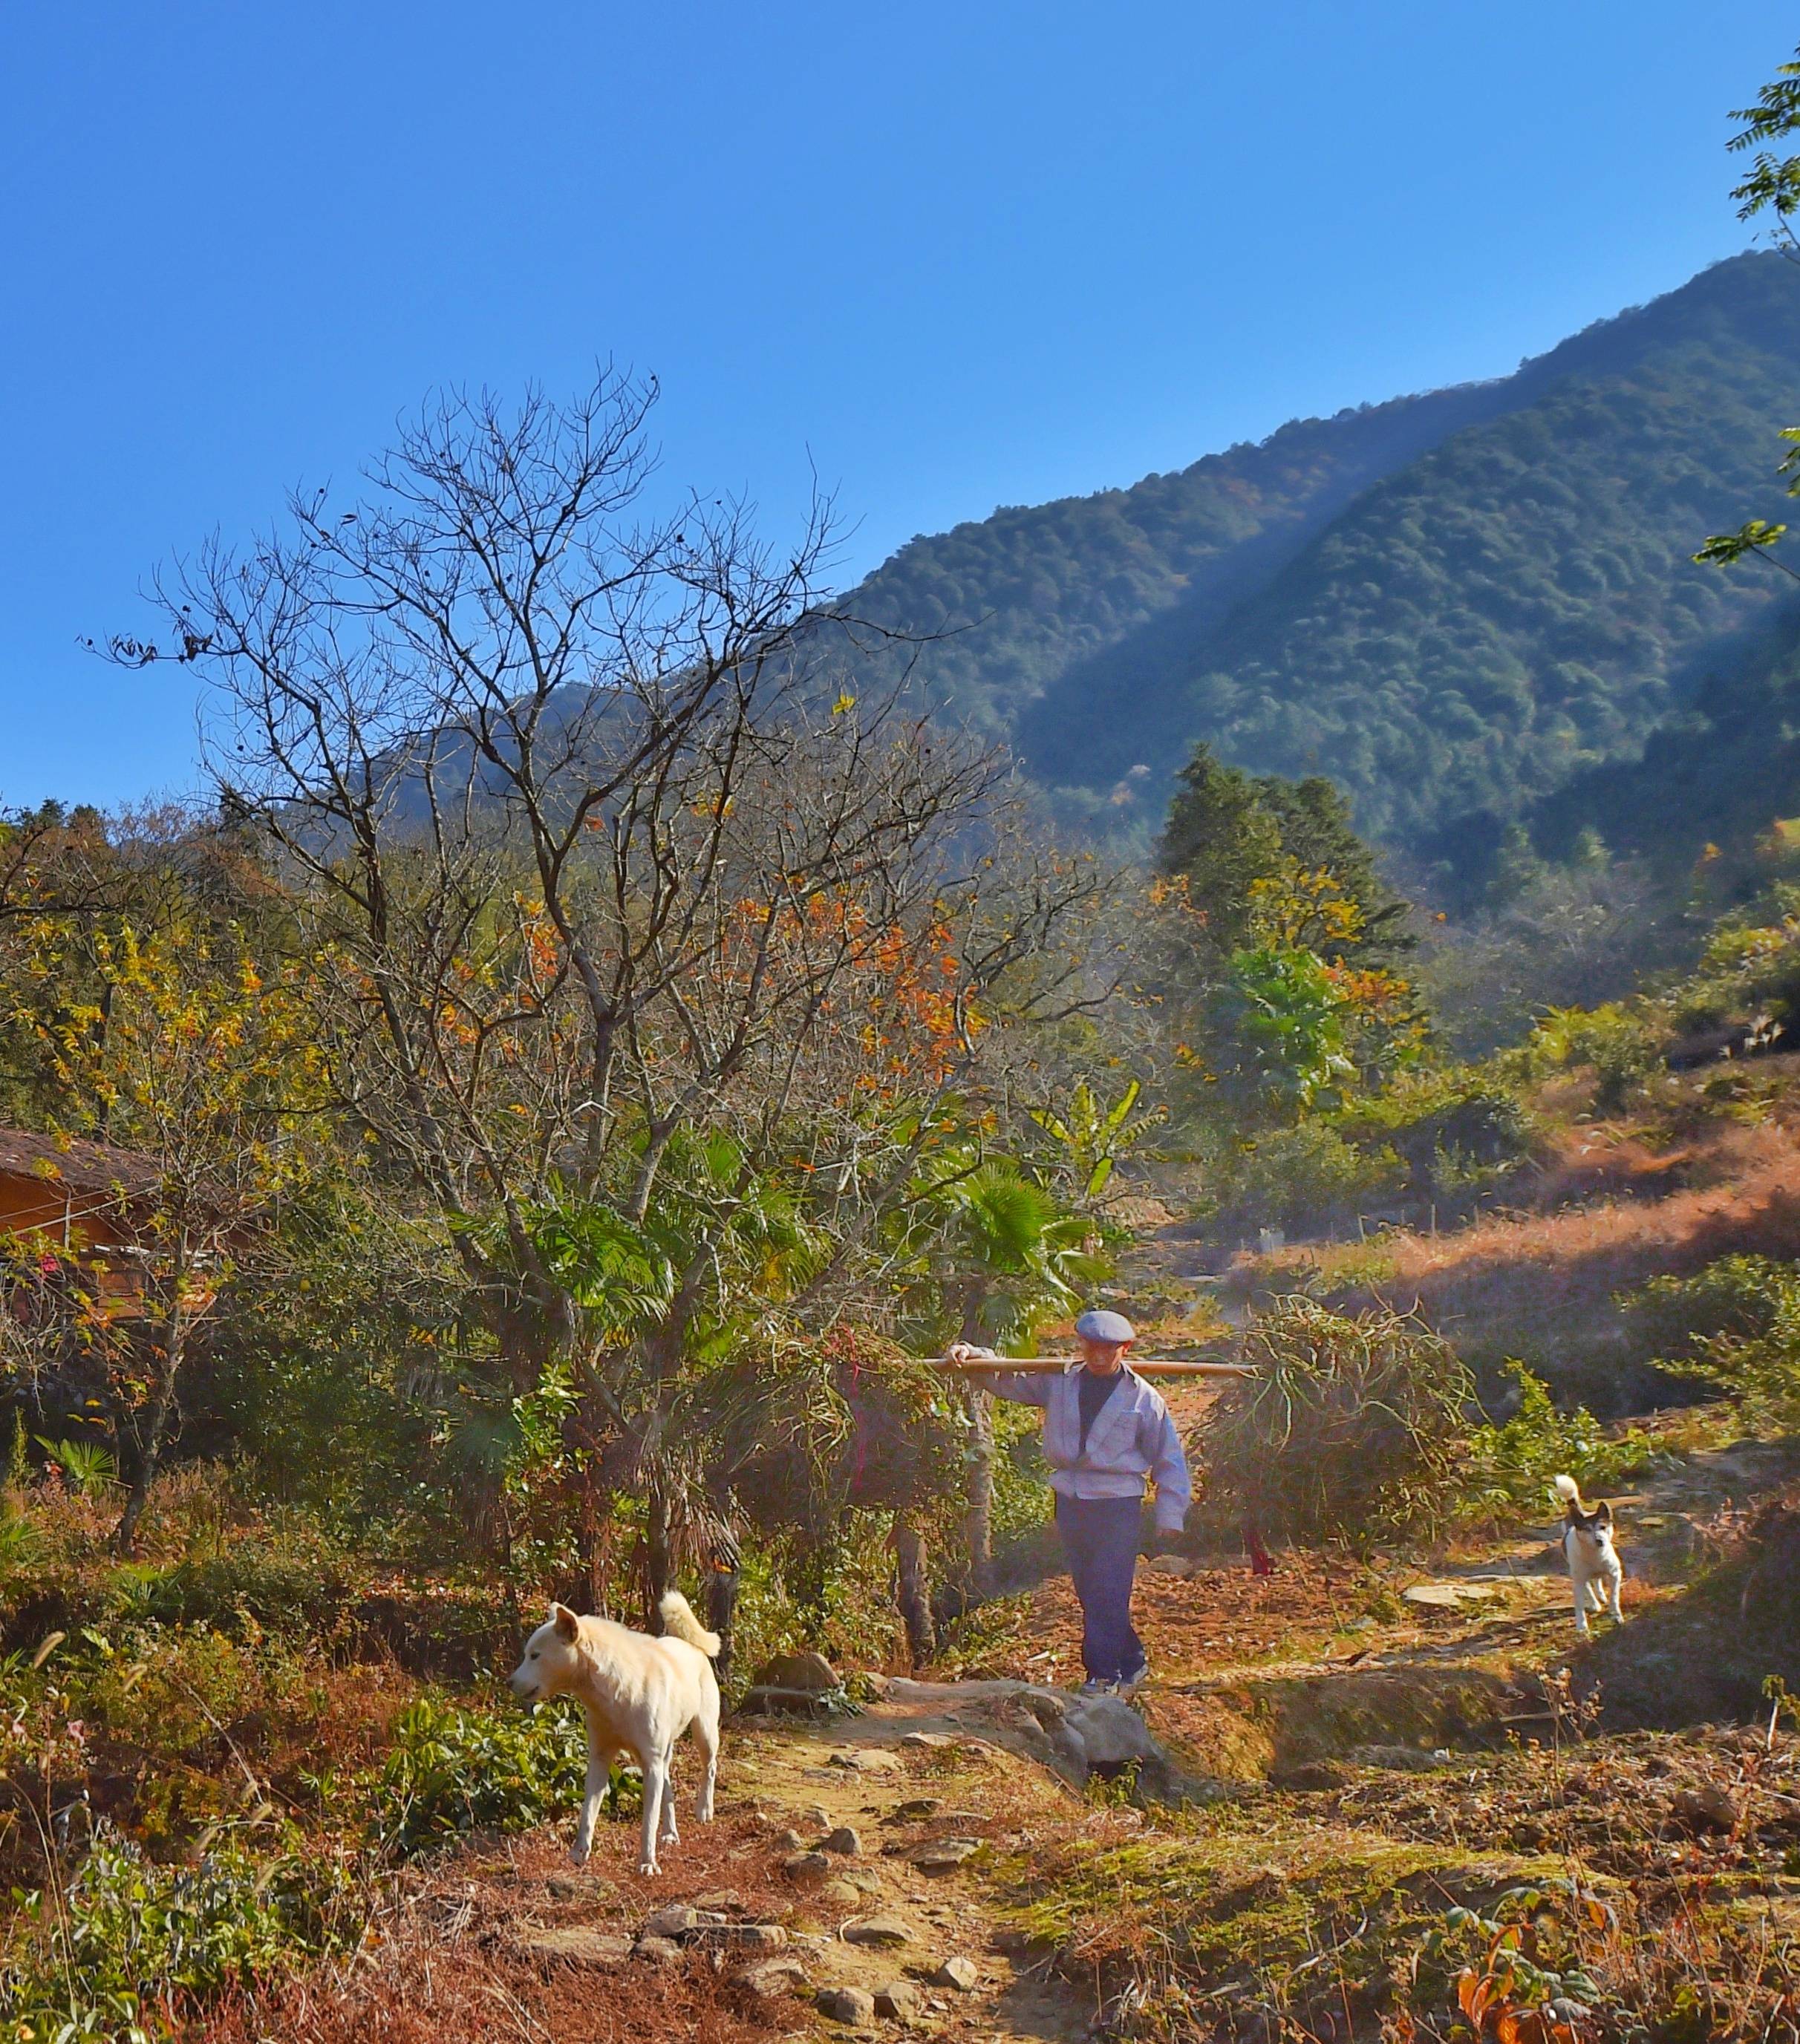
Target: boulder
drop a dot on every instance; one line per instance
(1104, 1731)
(840, 1895)
(658, 1951)
(738, 1937)
(960, 1973)
(846, 2004)
(943, 1855)
(775, 1977)
(916, 1811)
(898, 2000)
(809, 1673)
(1169, 1565)
(846, 1840)
(806, 1866)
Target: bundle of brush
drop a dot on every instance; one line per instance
(1353, 1427)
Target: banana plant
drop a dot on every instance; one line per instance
(1092, 1136)
(1006, 1256)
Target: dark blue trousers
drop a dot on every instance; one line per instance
(1100, 1537)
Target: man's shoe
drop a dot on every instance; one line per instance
(1128, 1685)
(1097, 1685)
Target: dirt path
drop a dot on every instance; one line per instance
(860, 1858)
(874, 1866)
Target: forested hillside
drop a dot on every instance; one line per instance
(1719, 770)
(1451, 604)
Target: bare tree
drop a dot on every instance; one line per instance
(610, 862)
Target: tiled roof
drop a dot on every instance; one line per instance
(85, 1167)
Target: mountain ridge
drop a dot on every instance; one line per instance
(1454, 603)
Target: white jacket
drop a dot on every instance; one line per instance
(1132, 1440)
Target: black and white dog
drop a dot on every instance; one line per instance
(1595, 1571)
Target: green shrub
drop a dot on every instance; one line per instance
(1511, 1466)
(1737, 1324)
(1353, 1427)
(1623, 1043)
(1308, 1175)
(452, 1771)
(127, 1946)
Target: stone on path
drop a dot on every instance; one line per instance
(658, 1951)
(671, 1921)
(1449, 1595)
(1169, 1565)
(898, 2000)
(806, 1866)
(773, 1977)
(841, 1895)
(1104, 1731)
(916, 1811)
(846, 1840)
(577, 1946)
(877, 1931)
(865, 1760)
(960, 1973)
(790, 1841)
(846, 2004)
(945, 1855)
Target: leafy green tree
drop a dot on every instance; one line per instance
(1253, 849)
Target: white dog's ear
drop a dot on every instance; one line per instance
(568, 1625)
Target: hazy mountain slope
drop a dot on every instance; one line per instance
(1453, 604)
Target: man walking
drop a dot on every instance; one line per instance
(1106, 1433)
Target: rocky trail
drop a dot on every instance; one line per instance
(846, 1878)
(950, 1859)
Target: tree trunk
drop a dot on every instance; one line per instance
(914, 1591)
(150, 1449)
(721, 1606)
(979, 1526)
(658, 1572)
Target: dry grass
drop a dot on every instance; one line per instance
(1542, 1286)
(442, 1963)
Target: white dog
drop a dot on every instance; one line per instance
(1594, 1567)
(639, 1695)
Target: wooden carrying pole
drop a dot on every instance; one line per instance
(1148, 1366)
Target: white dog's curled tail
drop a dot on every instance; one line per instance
(678, 1617)
(1568, 1491)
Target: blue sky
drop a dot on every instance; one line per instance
(952, 256)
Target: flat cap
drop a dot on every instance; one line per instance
(1099, 1325)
